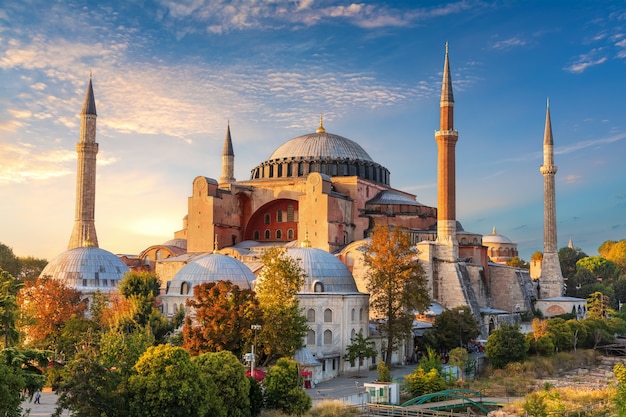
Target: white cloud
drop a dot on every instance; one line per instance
(509, 43)
(584, 61)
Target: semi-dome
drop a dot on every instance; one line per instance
(210, 268)
(87, 269)
(321, 152)
(324, 272)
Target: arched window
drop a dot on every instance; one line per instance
(290, 234)
(310, 337)
(318, 287)
(279, 216)
(352, 334)
(184, 288)
(353, 315)
(257, 235)
(310, 315)
(290, 213)
(175, 308)
(267, 234)
(328, 337)
(279, 234)
(328, 315)
(267, 218)
(361, 314)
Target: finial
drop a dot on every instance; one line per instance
(90, 74)
(446, 47)
(306, 243)
(228, 122)
(215, 244)
(493, 232)
(88, 243)
(321, 128)
(548, 102)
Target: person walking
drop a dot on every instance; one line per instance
(37, 397)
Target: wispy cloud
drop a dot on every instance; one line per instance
(509, 43)
(582, 62)
(589, 143)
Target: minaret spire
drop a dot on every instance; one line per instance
(228, 159)
(551, 280)
(446, 138)
(84, 232)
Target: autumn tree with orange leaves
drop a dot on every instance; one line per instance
(47, 306)
(223, 316)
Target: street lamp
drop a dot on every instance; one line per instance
(255, 328)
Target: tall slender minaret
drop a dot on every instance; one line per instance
(84, 232)
(551, 279)
(446, 138)
(228, 159)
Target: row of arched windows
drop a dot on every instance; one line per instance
(268, 234)
(328, 315)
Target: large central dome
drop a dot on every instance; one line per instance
(322, 152)
(321, 146)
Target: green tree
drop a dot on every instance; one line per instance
(90, 389)
(283, 388)
(422, 382)
(458, 357)
(568, 258)
(9, 308)
(256, 397)
(601, 268)
(30, 268)
(455, 327)
(562, 334)
(167, 383)
(598, 306)
(224, 314)
(506, 344)
(11, 386)
(226, 380)
(8, 261)
(396, 282)
(121, 349)
(383, 372)
(619, 370)
(141, 289)
(284, 327)
(359, 348)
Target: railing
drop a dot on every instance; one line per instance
(381, 410)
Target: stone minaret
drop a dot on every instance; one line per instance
(446, 138)
(551, 279)
(84, 233)
(228, 160)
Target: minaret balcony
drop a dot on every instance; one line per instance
(454, 133)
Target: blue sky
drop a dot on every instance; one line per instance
(168, 75)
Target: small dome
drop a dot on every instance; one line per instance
(495, 238)
(87, 269)
(211, 268)
(179, 243)
(393, 197)
(324, 272)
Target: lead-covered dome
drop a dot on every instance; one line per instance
(210, 268)
(324, 272)
(87, 269)
(321, 152)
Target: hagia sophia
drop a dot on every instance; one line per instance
(319, 196)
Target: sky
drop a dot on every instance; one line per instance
(169, 76)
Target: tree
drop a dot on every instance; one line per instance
(11, 386)
(9, 308)
(455, 327)
(359, 348)
(30, 268)
(283, 388)
(226, 380)
(615, 252)
(47, 306)
(284, 326)
(167, 383)
(8, 261)
(601, 268)
(141, 289)
(384, 374)
(458, 357)
(506, 344)
(90, 389)
(619, 370)
(422, 382)
(568, 258)
(396, 282)
(223, 316)
(517, 262)
(598, 306)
